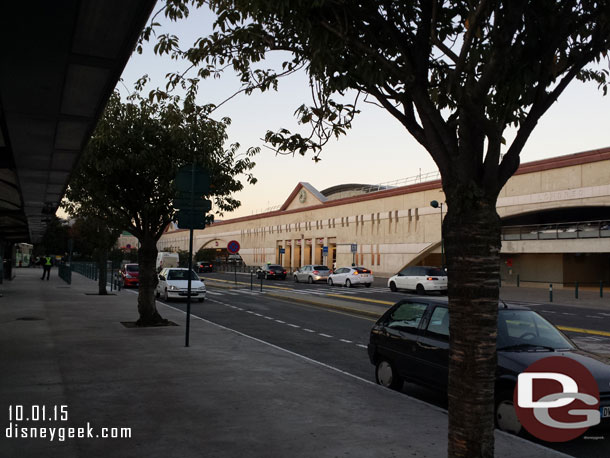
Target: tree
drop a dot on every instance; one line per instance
(97, 239)
(55, 239)
(126, 175)
(456, 74)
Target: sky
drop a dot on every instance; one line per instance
(376, 149)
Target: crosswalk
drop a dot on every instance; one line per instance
(301, 291)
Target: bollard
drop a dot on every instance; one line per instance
(550, 292)
(517, 280)
(576, 290)
(261, 284)
(251, 280)
(601, 288)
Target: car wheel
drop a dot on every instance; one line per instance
(296, 279)
(165, 296)
(506, 417)
(201, 299)
(330, 282)
(310, 280)
(386, 375)
(419, 289)
(368, 285)
(393, 287)
(348, 284)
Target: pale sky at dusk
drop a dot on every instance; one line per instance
(376, 149)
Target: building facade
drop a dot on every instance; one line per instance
(388, 228)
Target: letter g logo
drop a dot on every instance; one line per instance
(557, 399)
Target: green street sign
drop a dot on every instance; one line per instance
(188, 219)
(192, 178)
(199, 204)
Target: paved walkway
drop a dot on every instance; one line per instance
(227, 395)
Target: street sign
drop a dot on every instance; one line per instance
(354, 247)
(183, 201)
(191, 219)
(233, 247)
(325, 249)
(200, 181)
(282, 250)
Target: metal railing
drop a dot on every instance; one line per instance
(569, 230)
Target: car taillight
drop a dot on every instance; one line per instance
(356, 272)
(431, 278)
(284, 272)
(315, 272)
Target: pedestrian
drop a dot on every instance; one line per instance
(47, 263)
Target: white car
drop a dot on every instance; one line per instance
(173, 284)
(349, 276)
(420, 279)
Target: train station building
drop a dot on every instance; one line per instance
(555, 213)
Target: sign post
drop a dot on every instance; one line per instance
(354, 249)
(233, 248)
(191, 183)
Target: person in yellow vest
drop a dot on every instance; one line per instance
(47, 263)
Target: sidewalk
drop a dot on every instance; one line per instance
(227, 395)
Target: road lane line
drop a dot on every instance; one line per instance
(345, 340)
(281, 322)
(325, 335)
(361, 346)
(584, 331)
(308, 330)
(293, 325)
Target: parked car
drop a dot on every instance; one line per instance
(411, 342)
(204, 266)
(420, 279)
(129, 275)
(271, 271)
(173, 284)
(312, 273)
(350, 276)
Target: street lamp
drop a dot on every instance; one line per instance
(437, 204)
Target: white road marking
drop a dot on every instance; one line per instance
(293, 325)
(595, 316)
(280, 321)
(361, 346)
(345, 340)
(308, 330)
(324, 335)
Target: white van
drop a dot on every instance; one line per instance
(166, 259)
(420, 279)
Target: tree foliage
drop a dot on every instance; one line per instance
(125, 177)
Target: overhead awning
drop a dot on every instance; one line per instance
(59, 63)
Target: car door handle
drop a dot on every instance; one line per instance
(427, 347)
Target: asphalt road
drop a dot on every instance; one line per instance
(338, 339)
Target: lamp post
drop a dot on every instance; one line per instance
(437, 204)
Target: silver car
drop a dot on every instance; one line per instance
(312, 273)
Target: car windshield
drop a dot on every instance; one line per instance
(320, 268)
(181, 275)
(525, 330)
(131, 268)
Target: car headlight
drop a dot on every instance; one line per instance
(201, 288)
(172, 288)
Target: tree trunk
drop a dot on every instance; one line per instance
(102, 258)
(472, 234)
(147, 308)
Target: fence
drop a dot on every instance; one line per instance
(91, 271)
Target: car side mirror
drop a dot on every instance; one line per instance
(161, 277)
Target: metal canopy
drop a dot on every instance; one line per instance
(59, 63)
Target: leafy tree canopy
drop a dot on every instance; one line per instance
(127, 172)
(454, 73)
